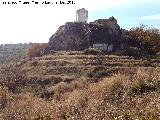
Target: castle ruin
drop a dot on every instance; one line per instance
(82, 15)
(102, 34)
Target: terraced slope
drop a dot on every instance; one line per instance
(79, 65)
(75, 86)
(68, 67)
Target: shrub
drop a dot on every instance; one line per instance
(3, 98)
(12, 77)
(47, 95)
(140, 88)
(158, 56)
(115, 92)
(81, 44)
(92, 51)
(146, 38)
(144, 82)
(37, 50)
(27, 107)
(98, 74)
(133, 51)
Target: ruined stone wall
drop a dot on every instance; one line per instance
(82, 15)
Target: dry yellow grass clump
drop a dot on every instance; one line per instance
(80, 87)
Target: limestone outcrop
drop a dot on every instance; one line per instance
(79, 36)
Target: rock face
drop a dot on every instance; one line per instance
(79, 36)
(71, 36)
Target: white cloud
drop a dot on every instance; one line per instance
(151, 17)
(148, 17)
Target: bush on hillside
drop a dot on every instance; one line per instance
(3, 98)
(98, 74)
(12, 78)
(148, 39)
(92, 51)
(133, 51)
(37, 50)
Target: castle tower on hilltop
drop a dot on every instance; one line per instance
(82, 15)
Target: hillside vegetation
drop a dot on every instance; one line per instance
(78, 86)
(13, 52)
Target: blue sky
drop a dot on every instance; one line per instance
(132, 15)
(36, 23)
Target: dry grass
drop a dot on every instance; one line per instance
(32, 91)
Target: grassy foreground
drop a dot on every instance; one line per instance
(75, 86)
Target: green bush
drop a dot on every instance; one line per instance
(146, 38)
(92, 51)
(38, 50)
(98, 74)
(143, 87)
(133, 51)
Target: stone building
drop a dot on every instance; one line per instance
(103, 47)
(82, 15)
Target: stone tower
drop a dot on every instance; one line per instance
(82, 15)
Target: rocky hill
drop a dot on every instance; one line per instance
(78, 36)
